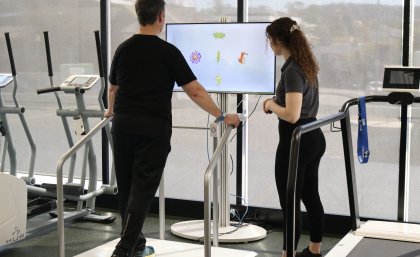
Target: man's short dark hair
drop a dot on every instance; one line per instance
(149, 10)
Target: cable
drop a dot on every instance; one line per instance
(240, 220)
(255, 107)
(208, 123)
(207, 136)
(231, 167)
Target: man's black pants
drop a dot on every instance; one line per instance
(139, 163)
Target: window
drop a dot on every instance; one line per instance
(191, 148)
(71, 26)
(352, 41)
(414, 196)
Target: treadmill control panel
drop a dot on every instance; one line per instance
(80, 81)
(401, 79)
(5, 79)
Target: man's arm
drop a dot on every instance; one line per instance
(112, 91)
(199, 95)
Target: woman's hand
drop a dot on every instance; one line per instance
(266, 105)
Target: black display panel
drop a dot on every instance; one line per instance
(401, 79)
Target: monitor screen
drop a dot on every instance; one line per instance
(401, 79)
(227, 57)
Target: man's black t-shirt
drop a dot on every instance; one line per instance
(146, 68)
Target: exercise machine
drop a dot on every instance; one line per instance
(13, 215)
(14, 190)
(8, 146)
(19, 228)
(174, 249)
(224, 230)
(386, 238)
(78, 85)
(13, 193)
(373, 238)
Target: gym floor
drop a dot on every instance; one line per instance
(82, 236)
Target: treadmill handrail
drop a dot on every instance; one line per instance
(369, 98)
(207, 208)
(60, 191)
(343, 115)
(292, 174)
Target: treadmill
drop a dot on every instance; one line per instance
(373, 238)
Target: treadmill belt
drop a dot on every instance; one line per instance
(370, 247)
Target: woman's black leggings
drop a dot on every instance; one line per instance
(310, 152)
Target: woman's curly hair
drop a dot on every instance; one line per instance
(287, 31)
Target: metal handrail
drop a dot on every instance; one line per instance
(60, 191)
(207, 208)
(162, 190)
(343, 117)
(369, 98)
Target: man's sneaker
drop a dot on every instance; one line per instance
(307, 253)
(115, 254)
(147, 252)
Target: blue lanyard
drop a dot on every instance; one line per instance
(362, 136)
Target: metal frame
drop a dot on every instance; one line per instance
(60, 192)
(344, 118)
(209, 174)
(19, 110)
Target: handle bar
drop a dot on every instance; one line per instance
(99, 53)
(48, 90)
(47, 49)
(10, 51)
(67, 90)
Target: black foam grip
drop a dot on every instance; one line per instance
(99, 53)
(9, 49)
(47, 49)
(48, 90)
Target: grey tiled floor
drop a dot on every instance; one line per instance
(82, 236)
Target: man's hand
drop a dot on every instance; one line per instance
(232, 119)
(108, 113)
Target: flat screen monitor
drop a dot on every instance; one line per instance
(226, 57)
(401, 79)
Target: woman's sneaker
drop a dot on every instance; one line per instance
(307, 253)
(148, 251)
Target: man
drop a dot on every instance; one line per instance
(143, 73)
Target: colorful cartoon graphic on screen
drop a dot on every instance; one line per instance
(218, 80)
(219, 35)
(241, 58)
(195, 57)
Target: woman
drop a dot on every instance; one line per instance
(296, 103)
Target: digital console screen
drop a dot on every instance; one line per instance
(5, 79)
(401, 78)
(80, 80)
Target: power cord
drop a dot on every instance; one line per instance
(240, 219)
(253, 110)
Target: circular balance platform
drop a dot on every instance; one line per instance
(194, 230)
